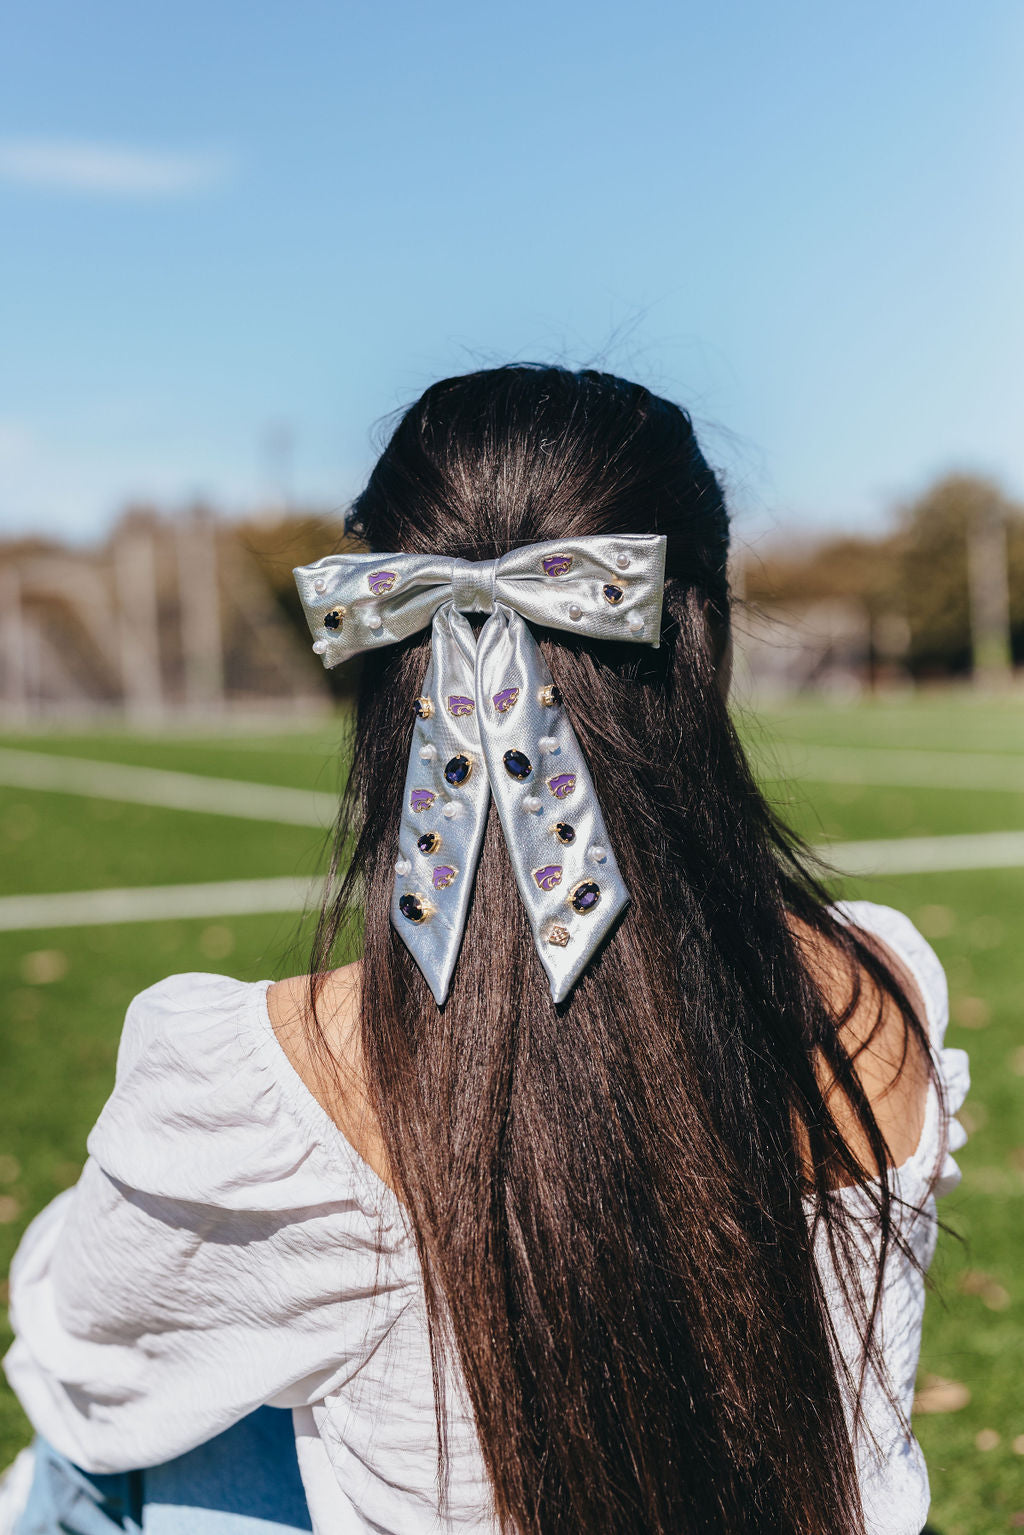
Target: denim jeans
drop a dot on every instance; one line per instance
(244, 1482)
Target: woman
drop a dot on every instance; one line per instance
(645, 1258)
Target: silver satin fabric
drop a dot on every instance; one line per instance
(485, 699)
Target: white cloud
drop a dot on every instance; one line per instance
(71, 165)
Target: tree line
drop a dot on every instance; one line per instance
(924, 579)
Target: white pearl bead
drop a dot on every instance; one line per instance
(575, 611)
(428, 752)
(402, 867)
(597, 854)
(548, 744)
(622, 561)
(319, 585)
(634, 623)
(531, 804)
(373, 619)
(319, 646)
(451, 810)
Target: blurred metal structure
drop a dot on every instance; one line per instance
(170, 617)
(785, 649)
(989, 589)
(202, 638)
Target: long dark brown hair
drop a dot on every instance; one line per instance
(608, 1196)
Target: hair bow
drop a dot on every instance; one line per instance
(489, 720)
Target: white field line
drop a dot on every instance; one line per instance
(242, 898)
(173, 791)
(904, 769)
(304, 807)
(157, 903)
(927, 855)
(309, 807)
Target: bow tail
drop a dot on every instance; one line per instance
(563, 862)
(444, 809)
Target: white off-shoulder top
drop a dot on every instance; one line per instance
(226, 1247)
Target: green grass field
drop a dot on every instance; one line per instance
(66, 991)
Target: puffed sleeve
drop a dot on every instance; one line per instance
(224, 1247)
(951, 1064)
(891, 1468)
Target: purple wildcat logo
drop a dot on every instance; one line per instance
(562, 784)
(422, 799)
(444, 874)
(548, 877)
(381, 582)
(557, 564)
(504, 700)
(457, 705)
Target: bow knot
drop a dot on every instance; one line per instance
(490, 720)
(473, 585)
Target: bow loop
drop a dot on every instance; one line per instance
(490, 720)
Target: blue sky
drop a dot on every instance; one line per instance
(805, 221)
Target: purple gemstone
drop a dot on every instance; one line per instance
(422, 799)
(517, 765)
(504, 700)
(562, 784)
(381, 582)
(584, 896)
(557, 564)
(457, 705)
(411, 907)
(443, 876)
(548, 877)
(457, 769)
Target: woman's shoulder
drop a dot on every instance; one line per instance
(913, 1098)
(913, 953)
(208, 1105)
(323, 1044)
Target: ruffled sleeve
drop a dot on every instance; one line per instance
(891, 1469)
(899, 934)
(224, 1247)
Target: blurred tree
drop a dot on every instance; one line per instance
(933, 540)
(278, 542)
(915, 576)
(860, 568)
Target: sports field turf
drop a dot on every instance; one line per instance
(65, 991)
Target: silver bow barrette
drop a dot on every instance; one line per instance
(490, 720)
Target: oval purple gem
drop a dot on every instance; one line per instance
(585, 896)
(457, 769)
(517, 765)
